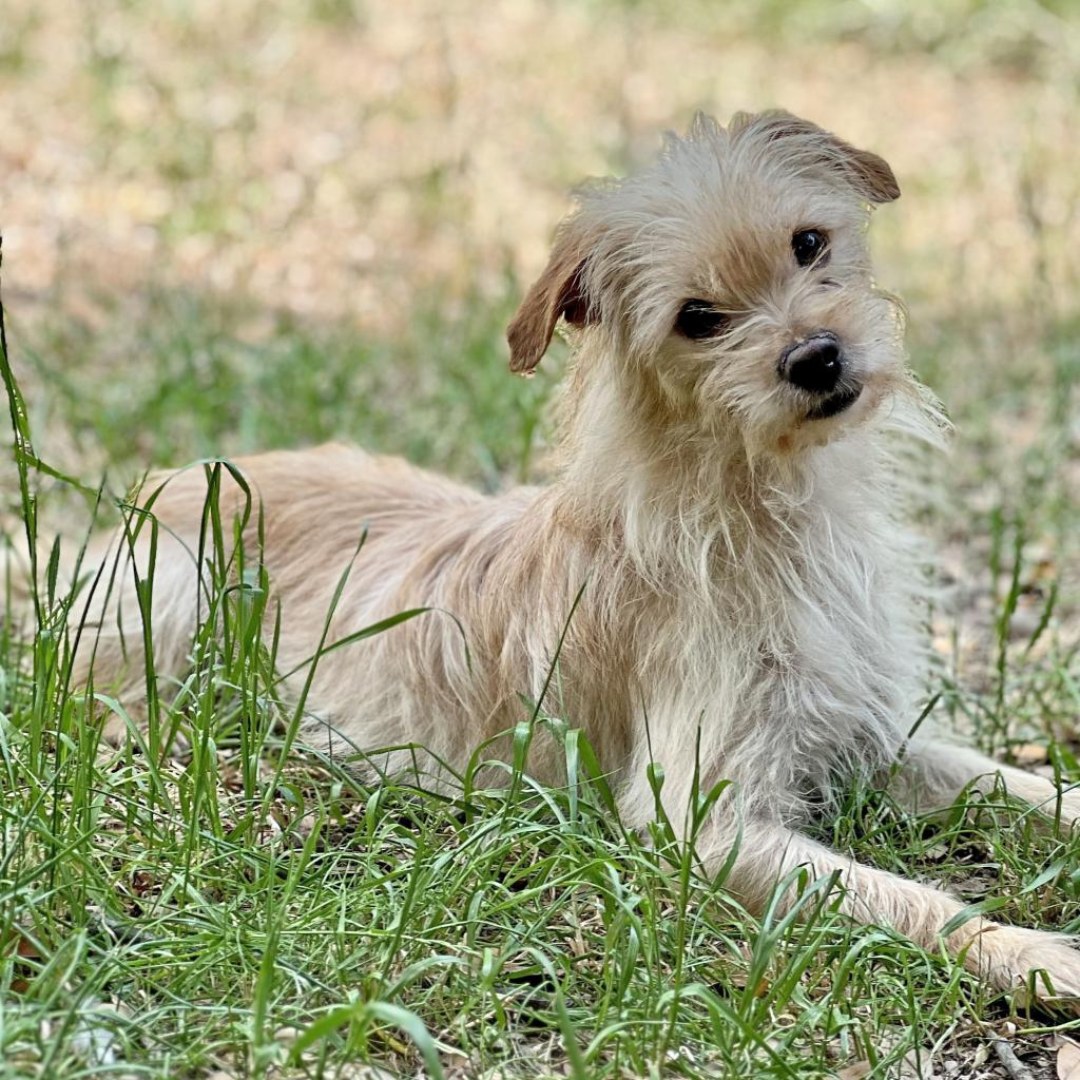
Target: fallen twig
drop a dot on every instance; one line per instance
(1016, 1069)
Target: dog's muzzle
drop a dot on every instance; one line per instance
(817, 365)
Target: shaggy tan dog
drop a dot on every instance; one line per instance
(726, 511)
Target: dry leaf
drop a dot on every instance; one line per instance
(1068, 1060)
(24, 949)
(1029, 754)
(855, 1072)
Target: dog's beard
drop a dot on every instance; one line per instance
(766, 415)
(836, 403)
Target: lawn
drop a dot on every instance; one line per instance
(252, 225)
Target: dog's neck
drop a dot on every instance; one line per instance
(679, 497)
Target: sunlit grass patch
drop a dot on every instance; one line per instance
(232, 228)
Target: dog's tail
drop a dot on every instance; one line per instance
(132, 622)
(126, 605)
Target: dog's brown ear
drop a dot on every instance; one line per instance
(557, 293)
(876, 178)
(868, 173)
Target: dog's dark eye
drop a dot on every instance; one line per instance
(810, 246)
(698, 319)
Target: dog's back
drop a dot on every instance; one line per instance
(348, 539)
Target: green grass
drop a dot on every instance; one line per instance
(248, 908)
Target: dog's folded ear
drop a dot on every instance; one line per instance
(870, 175)
(558, 293)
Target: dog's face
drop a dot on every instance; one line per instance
(733, 279)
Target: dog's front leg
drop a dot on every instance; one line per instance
(934, 773)
(744, 832)
(1006, 957)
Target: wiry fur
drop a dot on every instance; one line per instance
(749, 589)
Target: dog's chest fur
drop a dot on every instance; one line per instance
(772, 636)
(783, 637)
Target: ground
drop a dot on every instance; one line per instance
(265, 224)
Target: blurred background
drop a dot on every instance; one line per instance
(366, 167)
(239, 224)
(251, 224)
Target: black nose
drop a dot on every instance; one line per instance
(814, 364)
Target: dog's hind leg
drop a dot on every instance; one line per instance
(934, 773)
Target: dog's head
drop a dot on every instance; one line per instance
(732, 279)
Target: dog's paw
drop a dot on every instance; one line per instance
(1041, 967)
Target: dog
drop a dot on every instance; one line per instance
(718, 573)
